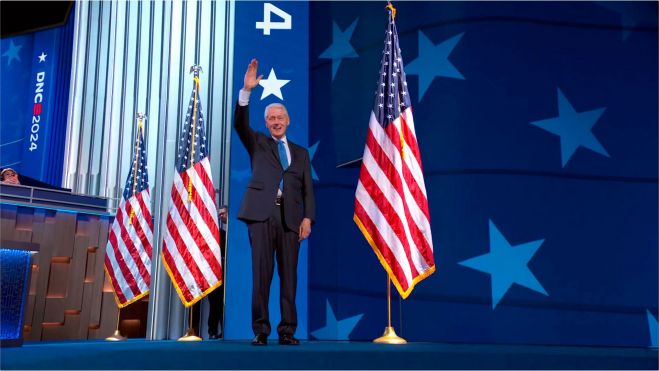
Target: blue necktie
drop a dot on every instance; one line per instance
(283, 158)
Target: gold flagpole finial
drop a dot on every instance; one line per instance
(195, 68)
(390, 6)
(140, 117)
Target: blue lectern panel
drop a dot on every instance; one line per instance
(14, 283)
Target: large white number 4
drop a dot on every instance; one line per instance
(268, 25)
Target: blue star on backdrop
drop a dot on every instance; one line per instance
(336, 330)
(574, 128)
(312, 153)
(653, 325)
(507, 265)
(340, 47)
(12, 52)
(433, 61)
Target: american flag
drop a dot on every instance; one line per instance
(391, 205)
(130, 240)
(191, 243)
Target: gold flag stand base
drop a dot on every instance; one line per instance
(390, 337)
(116, 336)
(190, 335)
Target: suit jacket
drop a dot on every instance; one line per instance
(267, 172)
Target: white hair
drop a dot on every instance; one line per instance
(274, 105)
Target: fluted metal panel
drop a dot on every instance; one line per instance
(118, 57)
(161, 289)
(110, 163)
(135, 57)
(98, 99)
(75, 106)
(155, 51)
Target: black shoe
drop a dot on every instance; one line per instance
(288, 340)
(214, 337)
(260, 339)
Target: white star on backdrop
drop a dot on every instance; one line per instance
(272, 85)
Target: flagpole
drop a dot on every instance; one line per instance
(117, 334)
(190, 334)
(140, 116)
(389, 336)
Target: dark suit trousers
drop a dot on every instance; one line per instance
(216, 311)
(215, 300)
(271, 238)
(216, 297)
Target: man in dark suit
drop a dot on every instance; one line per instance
(278, 208)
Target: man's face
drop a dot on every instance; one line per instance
(277, 122)
(224, 215)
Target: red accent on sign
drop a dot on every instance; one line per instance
(37, 109)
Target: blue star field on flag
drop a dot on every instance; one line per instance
(138, 176)
(193, 139)
(392, 95)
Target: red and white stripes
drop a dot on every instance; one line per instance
(191, 243)
(391, 204)
(128, 252)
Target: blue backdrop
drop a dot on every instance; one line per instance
(36, 70)
(537, 124)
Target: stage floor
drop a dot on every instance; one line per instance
(161, 354)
